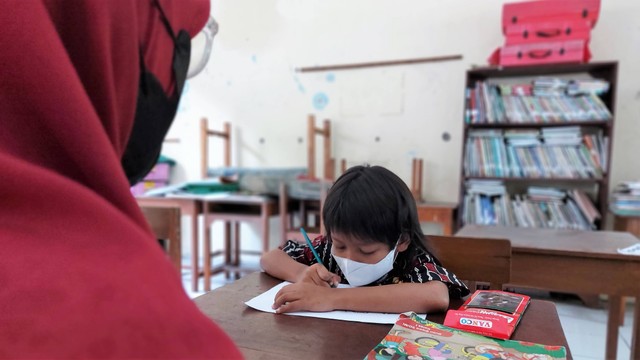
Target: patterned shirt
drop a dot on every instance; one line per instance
(422, 267)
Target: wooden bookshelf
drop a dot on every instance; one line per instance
(536, 125)
(595, 186)
(537, 180)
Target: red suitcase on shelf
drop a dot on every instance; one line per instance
(572, 51)
(547, 31)
(545, 11)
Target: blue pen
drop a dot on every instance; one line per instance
(315, 254)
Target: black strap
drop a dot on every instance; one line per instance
(165, 20)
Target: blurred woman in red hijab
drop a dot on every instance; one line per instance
(87, 88)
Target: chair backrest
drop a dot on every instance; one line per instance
(289, 209)
(416, 179)
(165, 224)
(475, 259)
(205, 133)
(329, 162)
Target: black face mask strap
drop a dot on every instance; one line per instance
(165, 20)
(182, 51)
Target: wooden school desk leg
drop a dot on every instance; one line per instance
(635, 333)
(265, 228)
(236, 249)
(207, 254)
(613, 327)
(193, 211)
(227, 247)
(284, 215)
(623, 301)
(175, 244)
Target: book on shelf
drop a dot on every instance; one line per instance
(531, 153)
(413, 337)
(540, 207)
(544, 100)
(625, 200)
(548, 126)
(490, 313)
(587, 86)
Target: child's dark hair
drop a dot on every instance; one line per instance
(371, 203)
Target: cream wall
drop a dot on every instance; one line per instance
(250, 81)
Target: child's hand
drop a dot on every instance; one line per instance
(303, 296)
(319, 275)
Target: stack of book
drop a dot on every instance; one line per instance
(488, 203)
(586, 87)
(625, 199)
(536, 102)
(562, 152)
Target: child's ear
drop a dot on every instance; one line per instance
(404, 243)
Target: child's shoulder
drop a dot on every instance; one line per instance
(319, 239)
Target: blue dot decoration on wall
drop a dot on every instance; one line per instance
(254, 59)
(299, 84)
(331, 77)
(320, 101)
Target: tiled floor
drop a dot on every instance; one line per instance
(584, 327)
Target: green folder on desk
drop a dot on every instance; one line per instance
(208, 187)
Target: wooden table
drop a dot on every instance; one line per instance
(438, 212)
(574, 261)
(191, 207)
(630, 224)
(261, 335)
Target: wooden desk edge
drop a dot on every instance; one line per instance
(256, 283)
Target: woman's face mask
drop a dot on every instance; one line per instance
(156, 110)
(359, 274)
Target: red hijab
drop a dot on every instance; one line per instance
(81, 274)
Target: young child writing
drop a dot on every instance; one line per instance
(373, 237)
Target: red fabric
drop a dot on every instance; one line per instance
(81, 274)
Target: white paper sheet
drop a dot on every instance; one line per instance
(631, 250)
(264, 301)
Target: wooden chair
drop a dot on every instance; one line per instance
(325, 132)
(232, 210)
(416, 179)
(475, 259)
(191, 208)
(302, 210)
(165, 224)
(296, 213)
(343, 166)
(205, 133)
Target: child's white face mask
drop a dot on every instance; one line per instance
(358, 274)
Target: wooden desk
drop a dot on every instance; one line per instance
(438, 212)
(261, 335)
(232, 209)
(630, 224)
(189, 207)
(574, 261)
